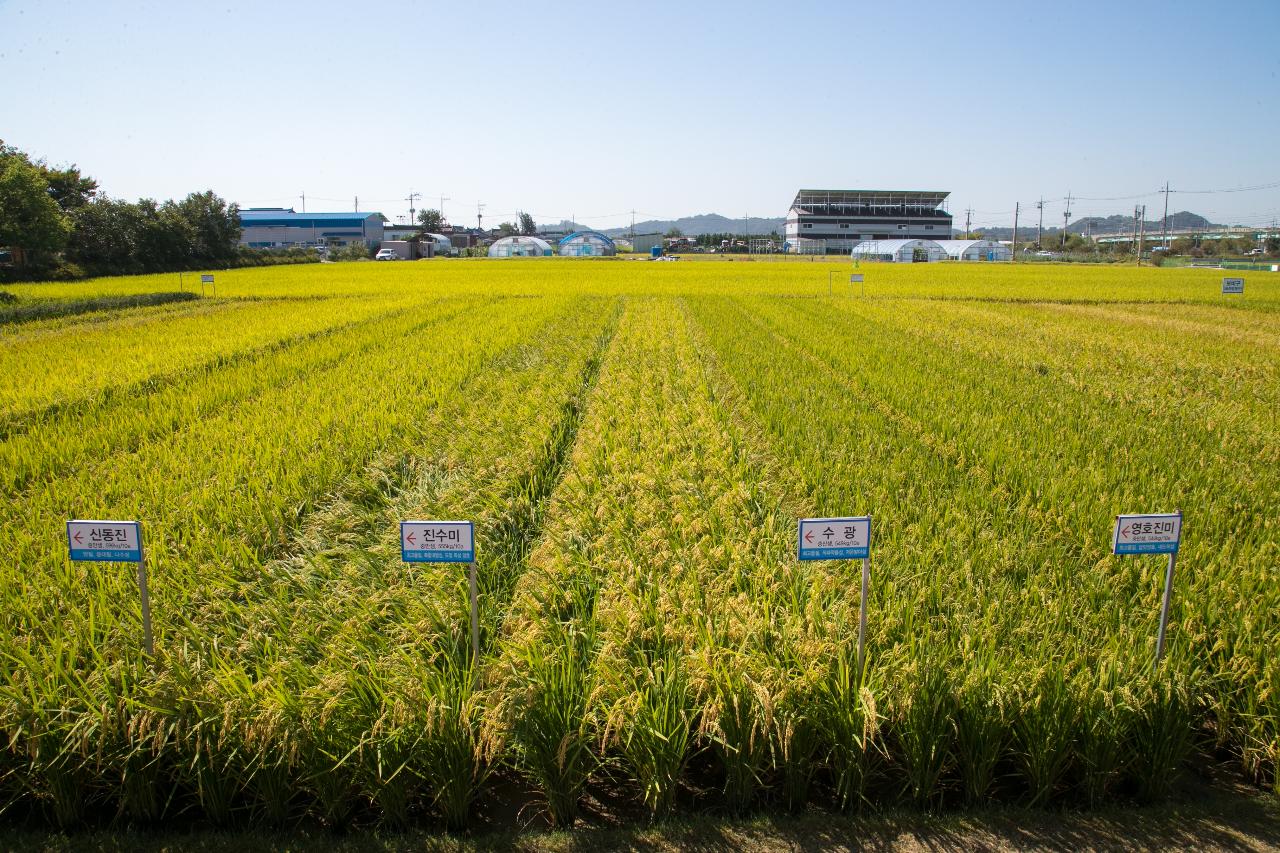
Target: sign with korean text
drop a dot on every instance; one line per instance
(437, 541)
(854, 278)
(1147, 534)
(835, 538)
(1233, 285)
(206, 279)
(105, 541)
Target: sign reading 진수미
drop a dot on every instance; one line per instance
(835, 538)
(437, 541)
(1147, 534)
(104, 541)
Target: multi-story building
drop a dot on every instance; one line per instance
(834, 221)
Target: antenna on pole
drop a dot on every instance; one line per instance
(479, 216)
(1066, 218)
(412, 198)
(443, 199)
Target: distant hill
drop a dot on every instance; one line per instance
(1095, 226)
(690, 226)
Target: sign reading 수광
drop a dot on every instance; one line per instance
(104, 541)
(1233, 285)
(437, 541)
(835, 538)
(1147, 534)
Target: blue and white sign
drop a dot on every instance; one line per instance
(206, 279)
(855, 278)
(105, 541)
(835, 538)
(1233, 285)
(1147, 534)
(437, 541)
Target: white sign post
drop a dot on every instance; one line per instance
(1233, 285)
(206, 278)
(856, 278)
(841, 539)
(1160, 533)
(114, 542)
(446, 542)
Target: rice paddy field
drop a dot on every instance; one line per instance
(635, 443)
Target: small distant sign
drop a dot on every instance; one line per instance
(437, 541)
(835, 538)
(104, 541)
(855, 278)
(1233, 285)
(1147, 534)
(206, 279)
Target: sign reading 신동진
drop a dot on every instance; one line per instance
(835, 538)
(437, 541)
(104, 541)
(1147, 534)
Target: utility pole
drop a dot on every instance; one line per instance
(1164, 226)
(304, 202)
(479, 216)
(356, 206)
(443, 199)
(1134, 242)
(1040, 227)
(633, 228)
(1142, 233)
(412, 198)
(1016, 207)
(1066, 219)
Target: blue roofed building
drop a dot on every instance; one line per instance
(279, 227)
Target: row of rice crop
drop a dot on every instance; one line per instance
(65, 364)
(369, 704)
(1040, 541)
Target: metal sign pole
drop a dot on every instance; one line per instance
(862, 616)
(1164, 610)
(145, 596)
(475, 621)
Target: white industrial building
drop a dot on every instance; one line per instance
(834, 221)
(278, 227)
(520, 246)
(976, 250)
(899, 251)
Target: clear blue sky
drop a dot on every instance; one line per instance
(669, 108)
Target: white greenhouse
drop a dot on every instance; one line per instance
(899, 251)
(520, 247)
(587, 244)
(976, 250)
(443, 244)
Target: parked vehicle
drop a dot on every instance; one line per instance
(385, 255)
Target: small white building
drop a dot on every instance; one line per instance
(899, 251)
(976, 250)
(520, 246)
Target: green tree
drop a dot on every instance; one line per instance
(68, 187)
(430, 220)
(674, 232)
(104, 236)
(30, 219)
(527, 225)
(508, 229)
(215, 226)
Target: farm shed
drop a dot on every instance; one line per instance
(587, 244)
(975, 250)
(899, 251)
(520, 247)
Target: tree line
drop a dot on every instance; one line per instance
(54, 222)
